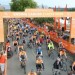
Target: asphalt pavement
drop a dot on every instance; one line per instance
(13, 65)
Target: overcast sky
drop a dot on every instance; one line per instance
(49, 3)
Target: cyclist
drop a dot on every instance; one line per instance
(37, 42)
(22, 55)
(60, 45)
(62, 53)
(15, 45)
(20, 47)
(34, 40)
(32, 72)
(9, 52)
(47, 40)
(7, 44)
(73, 66)
(41, 40)
(39, 50)
(24, 41)
(72, 69)
(2, 62)
(56, 66)
(50, 45)
(39, 64)
(17, 36)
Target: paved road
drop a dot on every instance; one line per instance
(13, 66)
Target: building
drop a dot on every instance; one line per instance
(2, 8)
(62, 22)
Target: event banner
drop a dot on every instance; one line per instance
(35, 13)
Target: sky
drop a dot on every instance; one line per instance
(49, 3)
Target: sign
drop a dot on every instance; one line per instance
(35, 13)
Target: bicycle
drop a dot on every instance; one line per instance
(50, 53)
(39, 72)
(37, 56)
(56, 71)
(15, 49)
(23, 65)
(64, 65)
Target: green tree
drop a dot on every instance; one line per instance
(21, 5)
(43, 20)
(71, 9)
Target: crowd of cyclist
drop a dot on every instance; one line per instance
(35, 39)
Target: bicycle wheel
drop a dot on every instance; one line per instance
(16, 50)
(48, 53)
(64, 66)
(52, 71)
(25, 69)
(52, 55)
(39, 73)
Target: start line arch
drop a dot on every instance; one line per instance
(37, 13)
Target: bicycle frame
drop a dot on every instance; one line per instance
(39, 71)
(23, 64)
(64, 66)
(56, 71)
(49, 52)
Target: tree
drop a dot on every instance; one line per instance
(21, 5)
(71, 9)
(43, 20)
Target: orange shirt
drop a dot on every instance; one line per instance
(22, 53)
(3, 59)
(32, 74)
(39, 61)
(73, 64)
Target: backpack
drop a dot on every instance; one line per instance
(56, 65)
